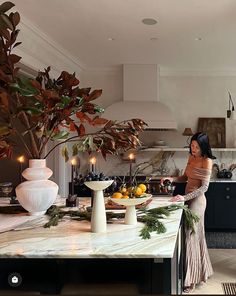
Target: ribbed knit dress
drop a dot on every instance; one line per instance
(197, 261)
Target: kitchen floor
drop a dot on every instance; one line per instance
(224, 266)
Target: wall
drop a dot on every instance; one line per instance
(189, 97)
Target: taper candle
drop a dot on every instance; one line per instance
(21, 159)
(131, 158)
(73, 164)
(93, 163)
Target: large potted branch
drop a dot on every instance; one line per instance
(42, 109)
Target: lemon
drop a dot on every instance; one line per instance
(143, 187)
(117, 195)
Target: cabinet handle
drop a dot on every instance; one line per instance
(227, 189)
(227, 197)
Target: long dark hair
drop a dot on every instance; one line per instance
(203, 142)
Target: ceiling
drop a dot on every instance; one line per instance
(83, 28)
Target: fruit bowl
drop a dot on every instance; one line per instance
(98, 185)
(130, 203)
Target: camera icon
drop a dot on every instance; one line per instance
(14, 279)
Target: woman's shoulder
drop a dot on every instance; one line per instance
(207, 163)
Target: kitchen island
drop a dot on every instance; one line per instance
(70, 251)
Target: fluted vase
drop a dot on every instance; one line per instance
(38, 193)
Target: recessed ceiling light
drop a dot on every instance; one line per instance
(149, 21)
(111, 39)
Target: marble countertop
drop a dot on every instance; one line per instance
(223, 180)
(74, 239)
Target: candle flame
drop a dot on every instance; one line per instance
(21, 159)
(73, 161)
(131, 156)
(93, 160)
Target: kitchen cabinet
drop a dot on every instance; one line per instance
(221, 205)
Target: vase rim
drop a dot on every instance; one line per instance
(37, 162)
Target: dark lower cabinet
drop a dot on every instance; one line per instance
(221, 206)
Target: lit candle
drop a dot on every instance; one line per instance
(131, 158)
(21, 160)
(93, 163)
(73, 164)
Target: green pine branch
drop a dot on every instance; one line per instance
(150, 217)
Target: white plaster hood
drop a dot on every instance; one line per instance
(140, 98)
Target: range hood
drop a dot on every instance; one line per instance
(140, 99)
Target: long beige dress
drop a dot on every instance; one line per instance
(197, 262)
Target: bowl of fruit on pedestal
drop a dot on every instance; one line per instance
(131, 197)
(98, 182)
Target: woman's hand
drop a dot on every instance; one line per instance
(166, 178)
(177, 197)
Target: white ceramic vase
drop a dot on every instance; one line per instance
(98, 218)
(38, 193)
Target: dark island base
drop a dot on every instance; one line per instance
(49, 276)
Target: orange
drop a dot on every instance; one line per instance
(117, 195)
(123, 189)
(143, 187)
(125, 196)
(138, 191)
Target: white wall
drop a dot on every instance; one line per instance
(189, 97)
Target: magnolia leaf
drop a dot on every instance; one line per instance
(61, 135)
(4, 100)
(5, 33)
(4, 130)
(31, 110)
(5, 19)
(80, 130)
(16, 44)
(65, 100)
(99, 109)
(65, 153)
(14, 58)
(23, 91)
(72, 127)
(16, 18)
(75, 150)
(99, 121)
(6, 6)
(94, 95)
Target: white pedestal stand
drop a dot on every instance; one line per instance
(98, 219)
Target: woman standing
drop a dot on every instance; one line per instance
(197, 174)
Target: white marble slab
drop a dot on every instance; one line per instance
(73, 239)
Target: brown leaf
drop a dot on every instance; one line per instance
(72, 127)
(83, 117)
(80, 130)
(14, 58)
(99, 120)
(36, 84)
(94, 95)
(5, 33)
(4, 100)
(16, 18)
(4, 77)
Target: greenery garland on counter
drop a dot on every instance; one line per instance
(150, 217)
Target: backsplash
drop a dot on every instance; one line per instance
(154, 163)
